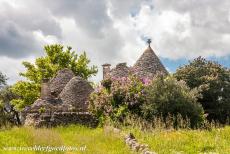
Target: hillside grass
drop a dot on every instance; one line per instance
(96, 141)
(185, 141)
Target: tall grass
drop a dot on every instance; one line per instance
(96, 141)
(160, 123)
(164, 138)
(186, 141)
(160, 134)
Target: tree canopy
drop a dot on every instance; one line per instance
(213, 80)
(3, 79)
(166, 96)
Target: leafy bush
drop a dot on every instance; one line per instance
(214, 82)
(166, 96)
(3, 79)
(118, 99)
(146, 99)
(3, 116)
(27, 91)
(8, 115)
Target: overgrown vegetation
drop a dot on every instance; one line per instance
(146, 99)
(167, 96)
(3, 79)
(195, 92)
(103, 141)
(96, 141)
(8, 115)
(185, 140)
(213, 80)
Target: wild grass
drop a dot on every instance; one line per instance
(185, 141)
(96, 141)
(163, 138)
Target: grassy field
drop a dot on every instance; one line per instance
(96, 141)
(102, 141)
(186, 141)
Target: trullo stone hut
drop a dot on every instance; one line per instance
(147, 66)
(64, 100)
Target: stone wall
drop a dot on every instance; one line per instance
(37, 119)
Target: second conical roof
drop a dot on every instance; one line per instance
(148, 65)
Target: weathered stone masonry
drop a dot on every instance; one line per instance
(64, 100)
(147, 66)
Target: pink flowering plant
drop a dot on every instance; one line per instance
(115, 98)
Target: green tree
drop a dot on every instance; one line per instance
(167, 96)
(3, 119)
(8, 113)
(3, 79)
(56, 58)
(214, 82)
(6, 94)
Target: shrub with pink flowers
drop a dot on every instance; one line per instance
(117, 98)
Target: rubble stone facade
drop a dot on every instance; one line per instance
(64, 100)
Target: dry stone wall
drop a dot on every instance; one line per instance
(37, 119)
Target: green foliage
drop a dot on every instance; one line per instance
(185, 141)
(3, 79)
(146, 99)
(56, 58)
(213, 80)
(122, 97)
(42, 110)
(3, 117)
(166, 96)
(28, 92)
(6, 94)
(107, 83)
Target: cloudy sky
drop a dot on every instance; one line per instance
(113, 31)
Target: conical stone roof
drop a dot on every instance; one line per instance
(148, 65)
(121, 70)
(58, 83)
(76, 93)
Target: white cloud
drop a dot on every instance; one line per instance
(12, 67)
(112, 31)
(44, 39)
